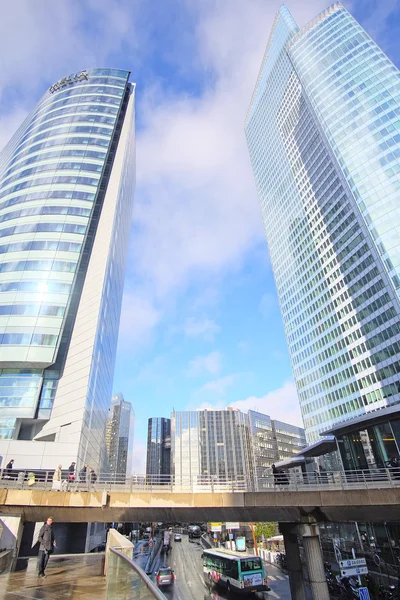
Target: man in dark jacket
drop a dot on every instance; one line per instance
(47, 543)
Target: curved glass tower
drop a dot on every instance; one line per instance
(66, 195)
(323, 131)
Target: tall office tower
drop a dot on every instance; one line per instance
(66, 196)
(323, 131)
(119, 435)
(159, 448)
(210, 444)
(272, 441)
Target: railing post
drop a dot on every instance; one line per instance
(389, 476)
(365, 480)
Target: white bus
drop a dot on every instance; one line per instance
(241, 574)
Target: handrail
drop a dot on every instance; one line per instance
(146, 580)
(40, 479)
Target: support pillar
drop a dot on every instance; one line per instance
(315, 563)
(296, 580)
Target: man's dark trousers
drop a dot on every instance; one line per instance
(43, 560)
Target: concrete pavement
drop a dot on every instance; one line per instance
(72, 577)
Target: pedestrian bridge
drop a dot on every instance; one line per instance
(338, 496)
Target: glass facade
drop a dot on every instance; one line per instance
(272, 441)
(322, 136)
(119, 435)
(159, 448)
(56, 174)
(211, 445)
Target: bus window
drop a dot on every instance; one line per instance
(232, 569)
(250, 564)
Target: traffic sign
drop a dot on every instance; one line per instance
(352, 562)
(350, 572)
(364, 594)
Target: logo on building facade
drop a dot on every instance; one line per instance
(65, 81)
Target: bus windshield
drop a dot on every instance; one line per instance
(250, 564)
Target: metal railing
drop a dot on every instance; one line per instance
(328, 480)
(126, 580)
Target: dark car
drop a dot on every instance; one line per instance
(165, 576)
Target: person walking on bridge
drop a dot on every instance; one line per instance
(57, 479)
(47, 544)
(8, 470)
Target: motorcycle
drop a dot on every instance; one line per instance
(351, 586)
(281, 560)
(165, 549)
(387, 592)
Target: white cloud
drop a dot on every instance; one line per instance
(219, 386)
(281, 404)
(193, 165)
(201, 327)
(209, 364)
(138, 318)
(196, 212)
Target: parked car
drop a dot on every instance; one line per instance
(165, 576)
(177, 537)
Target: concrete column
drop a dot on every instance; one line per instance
(297, 586)
(315, 563)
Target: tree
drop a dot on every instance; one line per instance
(265, 529)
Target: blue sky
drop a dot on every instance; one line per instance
(200, 322)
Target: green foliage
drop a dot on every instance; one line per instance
(267, 530)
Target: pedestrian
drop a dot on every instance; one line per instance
(57, 479)
(71, 472)
(93, 476)
(8, 469)
(395, 467)
(275, 473)
(47, 545)
(83, 473)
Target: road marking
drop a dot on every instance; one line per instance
(273, 594)
(280, 577)
(271, 577)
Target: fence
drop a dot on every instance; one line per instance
(330, 480)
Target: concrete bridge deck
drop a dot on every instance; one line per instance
(69, 577)
(282, 505)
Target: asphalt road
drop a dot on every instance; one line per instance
(185, 559)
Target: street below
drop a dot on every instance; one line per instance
(185, 559)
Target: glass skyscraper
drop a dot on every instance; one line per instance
(66, 196)
(323, 131)
(229, 445)
(272, 441)
(159, 448)
(210, 445)
(119, 435)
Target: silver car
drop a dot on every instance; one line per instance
(165, 576)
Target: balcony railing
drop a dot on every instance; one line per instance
(330, 480)
(126, 580)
